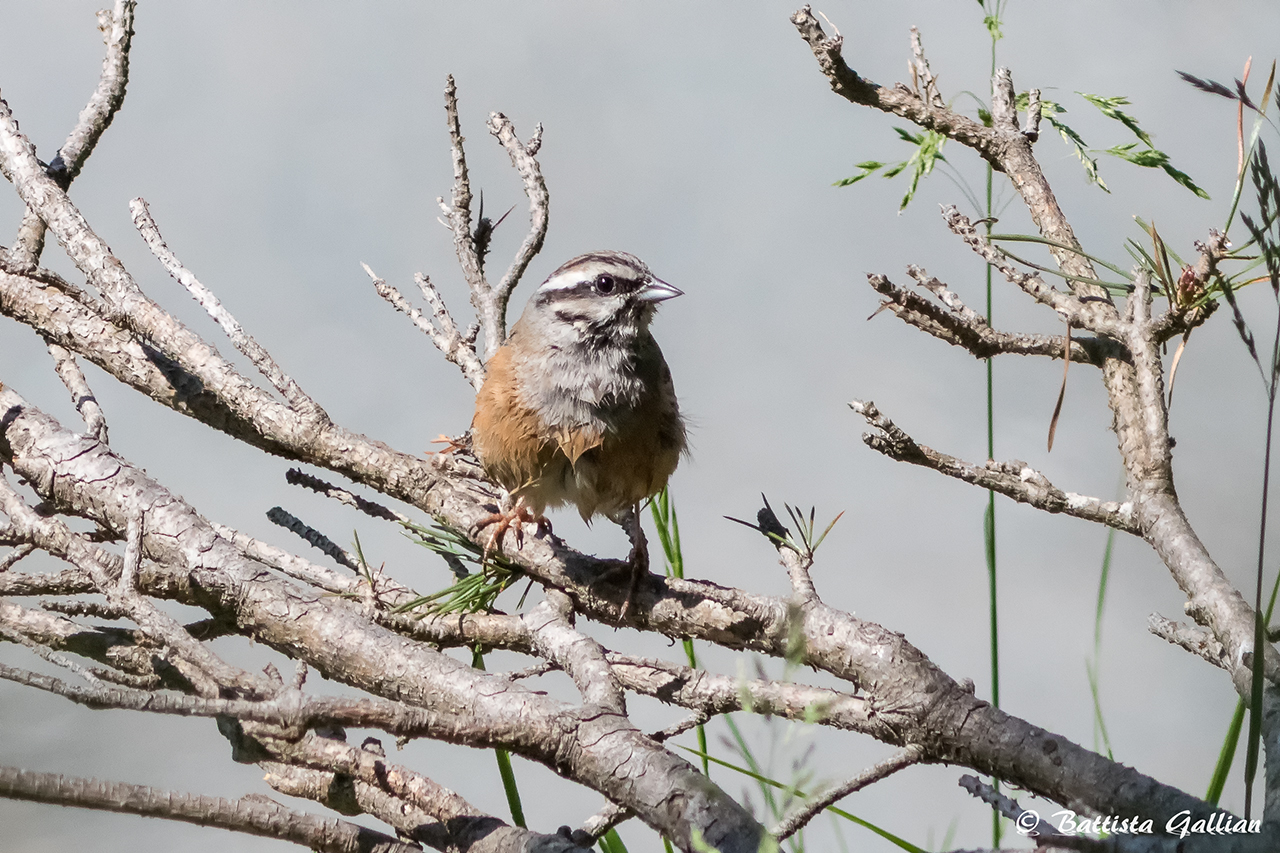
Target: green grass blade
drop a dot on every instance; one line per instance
(744, 749)
(667, 523)
(765, 781)
(1035, 238)
(611, 842)
(509, 786)
(1113, 286)
(1226, 755)
(1099, 724)
(989, 540)
(1091, 667)
(1102, 590)
(504, 765)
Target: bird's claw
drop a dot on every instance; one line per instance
(452, 445)
(516, 518)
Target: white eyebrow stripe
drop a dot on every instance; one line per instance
(564, 281)
(583, 273)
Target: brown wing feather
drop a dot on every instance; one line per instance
(574, 443)
(507, 437)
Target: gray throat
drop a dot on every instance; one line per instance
(589, 380)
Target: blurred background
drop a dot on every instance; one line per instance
(280, 145)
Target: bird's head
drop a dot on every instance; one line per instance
(600, 296)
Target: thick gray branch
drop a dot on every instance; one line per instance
(464, 706)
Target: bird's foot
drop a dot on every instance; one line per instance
(451, 445)
(515, 517)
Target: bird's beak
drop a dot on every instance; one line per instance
(658, 290)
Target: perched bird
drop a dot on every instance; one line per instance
(578, 405)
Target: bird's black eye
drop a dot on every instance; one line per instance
(606, 284)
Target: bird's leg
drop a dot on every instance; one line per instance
(508, 517)
(639, 557)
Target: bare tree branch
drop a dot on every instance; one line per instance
(314, 538)
(117, 31)
(797, 820)
(523, 158)
(555, 639)
(462, 705)
(1013, 479)
(961, 326)
(242, 340)
(1007, 807)
(293, 566)
(457, 348)
(11, 559)
(296, 477)
(250, 815)
(467, 830)
(64, 364)
(1095, 313)
(460, 222)
(1198, 641)
(1140, 421)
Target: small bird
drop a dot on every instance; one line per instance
(578, 405)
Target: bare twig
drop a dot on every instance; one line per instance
(523, 158)
(1097, 316)
(460, 212)
(8, 632)
(296, 477)
(313, 537)
(82, 607)
(604, 820)
(1198, 641)
(64, 364)
(921, 74)
(290, 564)
(19, 551)
(1031, 126)
(490, 302)
(711, 694)
(117, 31)
(796, 821)
(457, 348)
(1014, 479)
(899, 100)
(538, 669)
(1008, 807)
(251, 815)
(1004, 107)
(132, 557)
(463, 344)
(963, 327)
(251, 349)
(692, 721)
